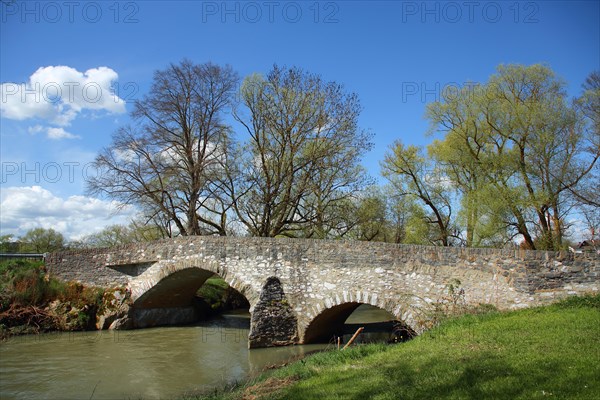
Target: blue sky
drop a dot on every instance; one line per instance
(396, 55)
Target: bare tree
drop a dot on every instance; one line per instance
(303, 155)
(173, 161)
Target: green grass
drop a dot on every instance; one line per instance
(546, 352)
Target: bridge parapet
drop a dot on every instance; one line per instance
(527, 271)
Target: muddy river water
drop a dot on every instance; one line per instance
(152, 363)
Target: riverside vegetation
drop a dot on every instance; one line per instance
(33, 302)
(542, 352)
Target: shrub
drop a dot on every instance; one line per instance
(26, 291)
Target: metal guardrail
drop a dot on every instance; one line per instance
(26, 256)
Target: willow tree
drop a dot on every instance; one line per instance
(588, 103)
(302, 159)
(525, 144)
(415, 177)
(482, 213)
(173, 161)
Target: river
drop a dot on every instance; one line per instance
(165, 362)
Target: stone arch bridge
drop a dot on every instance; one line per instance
(302, 290)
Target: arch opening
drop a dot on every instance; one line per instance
(343, 320)
(215, 297)
(179, 299)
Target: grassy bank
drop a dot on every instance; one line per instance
(546, 352)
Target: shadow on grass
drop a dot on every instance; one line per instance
(481, 377)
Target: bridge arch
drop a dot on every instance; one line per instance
(330, 314)
(164, 293)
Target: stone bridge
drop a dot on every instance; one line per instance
(302, 291)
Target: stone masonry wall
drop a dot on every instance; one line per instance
(316, 275)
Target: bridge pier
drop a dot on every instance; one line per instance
(273, 321)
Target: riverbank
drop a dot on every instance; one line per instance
(31, 302)
(537, 353)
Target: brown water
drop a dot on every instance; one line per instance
(141, 364)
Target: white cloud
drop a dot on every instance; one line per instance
(24, 208)
(60, 133)
(58, 94)
(35, 129)
(52, 133)
(578, 230)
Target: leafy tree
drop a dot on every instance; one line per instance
(481, 214)
(464, 176)
(527, 147)
(372, 218)
(173, 162)
(414, 176)
(7, 244)
(418, 228)
(110, 236)
(115, 235)
(302, 158)
(379, 215)
(42, 240)
(399, 213)
(586, 193)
